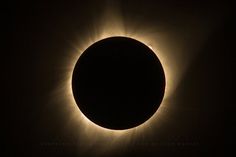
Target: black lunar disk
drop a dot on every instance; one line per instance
(118, 83)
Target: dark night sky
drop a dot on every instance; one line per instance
(39, 36)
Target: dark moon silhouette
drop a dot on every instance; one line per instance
(118, 83)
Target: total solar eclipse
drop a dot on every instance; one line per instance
(118, 83)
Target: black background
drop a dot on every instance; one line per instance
(37, 36)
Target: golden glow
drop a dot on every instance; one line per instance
(111, 24)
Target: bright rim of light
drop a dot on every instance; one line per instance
(90, 123)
